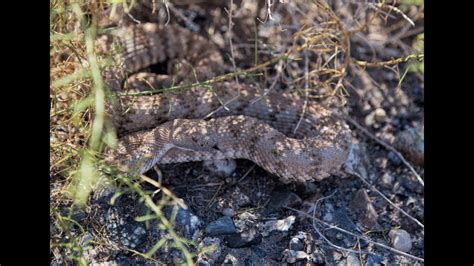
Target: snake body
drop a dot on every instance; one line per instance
(277, 131)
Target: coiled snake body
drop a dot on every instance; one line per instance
(229, 120)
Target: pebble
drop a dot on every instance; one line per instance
(365, 211)
(411, 142)
(369, 120)
(352, 260)
(375, 118)
(387, 180)
(293, 256)
(380, 115)
(297, 242)
(282, 225)
(230, 260)
(400, 239)
(222, 168)
(221, 226)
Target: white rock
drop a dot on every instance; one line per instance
(380, 115)
(223, 168)
(400, 239)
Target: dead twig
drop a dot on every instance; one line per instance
(387, 146)
(373, 188)
(246, 174)
(165, 190)
(193, 26)
(356, 235)
(306, 88)
(327, 240)
(230, 35)
(395, 61)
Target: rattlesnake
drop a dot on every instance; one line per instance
(227, 120)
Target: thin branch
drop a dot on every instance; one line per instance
(356, 235)
(246, 174)
(188, 22)
(398, 11)
(165, 191)
(373, 188)
(327, 240)
(387, 146)
(230, 35)
(371, 18)
(306, 88)
(395, 61)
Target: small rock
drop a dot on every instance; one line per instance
(221, 226)
(230, 259)
(245, 220)
(400, 239)
(301, 255)
(387, 180)
(380, 115)
(364, 210)
(243, 239)
(357, 161)
(411, 142)
(222, 168)
(297, 242)
(293, 256)
(282, 225)
(352, 260)
(369, 119)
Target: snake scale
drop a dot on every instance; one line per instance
(229, 120)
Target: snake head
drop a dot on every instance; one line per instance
(194, 135)
(196, 142)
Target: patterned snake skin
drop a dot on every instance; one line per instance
(225, 121)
